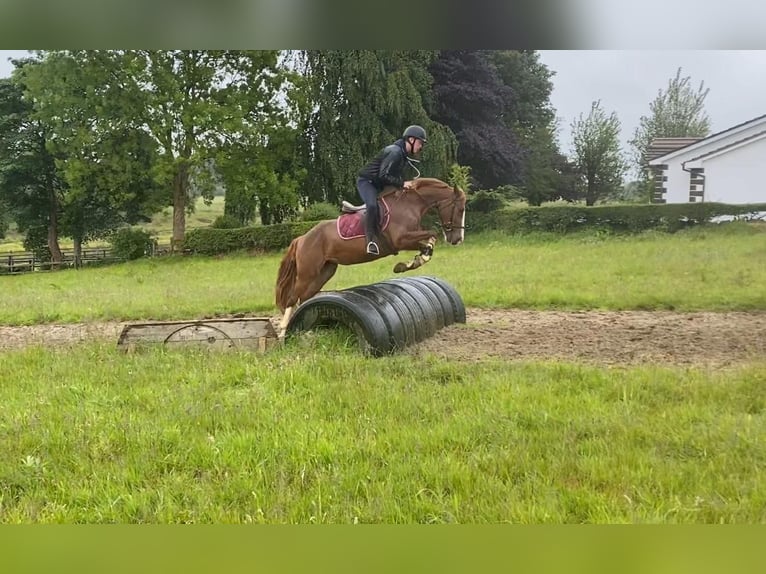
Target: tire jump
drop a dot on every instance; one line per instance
(386, 317)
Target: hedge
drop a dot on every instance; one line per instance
(210, 241)
(617, 218)
(556, 219)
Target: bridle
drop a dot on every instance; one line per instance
(447, 227)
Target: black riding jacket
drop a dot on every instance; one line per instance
(388, 167)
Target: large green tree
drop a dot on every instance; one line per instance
(676, 111)
(106, 163)
(30, 184)
(532, 118)
(360, 101)
(189, 102)
(597, 153)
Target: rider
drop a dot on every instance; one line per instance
(386, 169)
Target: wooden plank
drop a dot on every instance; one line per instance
(256, 333)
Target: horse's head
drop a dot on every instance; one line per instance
(450, 203)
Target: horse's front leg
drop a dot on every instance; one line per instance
(422, 240)
(284, 322)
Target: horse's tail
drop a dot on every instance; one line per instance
(286, 277)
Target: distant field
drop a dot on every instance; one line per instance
(160, 227)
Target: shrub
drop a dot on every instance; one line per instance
(485, 201)
(226, 222)
(131, 243)
(36, 241)
(320, 211)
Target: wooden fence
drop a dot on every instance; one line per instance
(15, 262)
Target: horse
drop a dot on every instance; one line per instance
(312, 258)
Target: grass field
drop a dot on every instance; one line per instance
(319, 434)
(315, 433)
(718, 269)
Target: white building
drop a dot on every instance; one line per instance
(727, 167)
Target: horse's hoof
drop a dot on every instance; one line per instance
(400, 268)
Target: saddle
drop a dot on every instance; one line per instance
(347, 207)
(350, 225)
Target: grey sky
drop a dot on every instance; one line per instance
(627, 81)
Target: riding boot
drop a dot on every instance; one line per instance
(370, 231)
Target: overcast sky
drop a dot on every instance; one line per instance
(627, 81)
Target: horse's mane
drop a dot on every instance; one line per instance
(428, 182)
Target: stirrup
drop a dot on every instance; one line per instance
(372, 248)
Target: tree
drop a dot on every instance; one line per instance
(109, 190)
(597, 153)
(471, 99)
(532, 119)
(190, 102)
(30, 184)
(263, 170)
(677, 111)
(262, 178)
(360, 101)
(105, 163)
(531, 83)
(568, 179)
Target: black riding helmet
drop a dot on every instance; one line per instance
(415, 132)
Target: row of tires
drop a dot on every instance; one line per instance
(387, 316)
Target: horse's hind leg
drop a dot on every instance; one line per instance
(315, 286)
(305, 288)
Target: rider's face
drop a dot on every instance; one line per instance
(415, 145)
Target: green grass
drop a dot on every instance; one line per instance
(161, 226)
(703, 269)
(314, 433)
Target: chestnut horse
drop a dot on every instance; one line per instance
(312, 259)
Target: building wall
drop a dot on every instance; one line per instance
(738, 176)
(677, 185)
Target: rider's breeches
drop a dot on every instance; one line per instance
(369, 194)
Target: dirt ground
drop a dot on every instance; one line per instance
(605, 337)
(625, 337)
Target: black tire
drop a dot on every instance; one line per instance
(436, 307)
(397, 316)
(346, 308)
(458, 307)
(444, 302)
(423, 312)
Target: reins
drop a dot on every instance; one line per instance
(453, 203)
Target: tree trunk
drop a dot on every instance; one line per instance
(265, 212)
(590, 194)
(77, 252)
(180, 184)
(53, 230)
